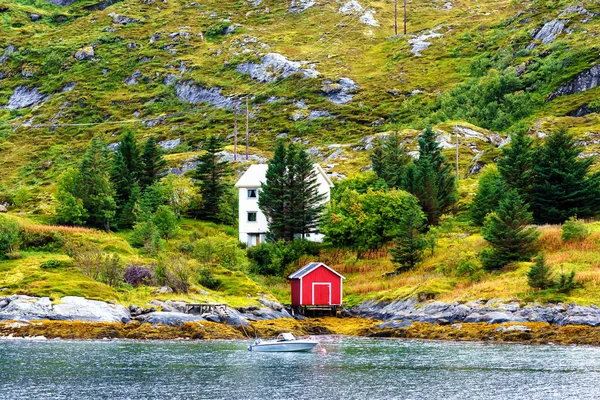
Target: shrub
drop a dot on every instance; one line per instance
(540, 275)
(137, 275)
(111, 270)
(160, 274)
(271, 258)
(574, 230)
(9, 235)
(87, 258)
(221, 249)
(146, 236)
(177, 271)
(165, 221)
(207, 279)
(566, 282)
(51, 264)
(41, 240)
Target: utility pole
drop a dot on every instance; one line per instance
(395, 17)
(235, 131)
(247, 116)
(404, 17)
(456, 131)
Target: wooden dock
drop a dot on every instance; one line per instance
(206, 308)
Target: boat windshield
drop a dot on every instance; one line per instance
(286, 337)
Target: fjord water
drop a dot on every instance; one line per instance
(351, 369)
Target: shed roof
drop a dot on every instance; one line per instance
(257, 174)
(308, 268)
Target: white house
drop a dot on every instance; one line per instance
(253, 224)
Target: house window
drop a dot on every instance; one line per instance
(252, 216)
(251, 193)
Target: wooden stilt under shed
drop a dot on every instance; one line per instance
(317, 311)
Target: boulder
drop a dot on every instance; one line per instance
(169, 144)
(85, 53)
(548, 32)
(169, 318)
(79, 309)
(25, 308)
(133, 79)
(584, 81)
(191, 92)
(35, 17)
(423, 41)
(7, 52)
(122, 20)
(340, 92)
(24, 97)
(273, 66)
(297, 6)
(3, 208)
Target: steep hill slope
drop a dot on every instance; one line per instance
(328, 73)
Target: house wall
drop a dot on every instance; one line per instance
(322, 275)
(250, 204)
(295, 292)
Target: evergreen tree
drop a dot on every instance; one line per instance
(125, 172)
(539, 275)
(389, 160)
(432, 181)
(563, 185)
(410, 243)
(131, 210)
(93, 186)
(489, 194)
(516, 165)
(508, 232)
(271, 200)
(153, 162)
(307, 202)
(165, 221)
(210, 177)
(70, 209)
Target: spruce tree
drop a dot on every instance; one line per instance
(489, 194)
(271, 200)
(563, 185)
(125, 172)
(410, 243)
(307, 202)
(389, 160)
(539, 275)
(153, 162)
(508, 232)
(516, 165)
(433, 180)
(210, 176)
(93, 186)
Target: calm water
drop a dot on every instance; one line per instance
(352, 369)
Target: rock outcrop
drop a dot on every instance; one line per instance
(24, 97)
(275, 65)
(191, 92)
(340, 92)
(492, 312)
(297, 6)
(584, 81)
(548, 33)
(62, 3)
(85, 53)
(423, 41)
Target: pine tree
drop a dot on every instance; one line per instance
(153, 162)
(433, 180)
(516, 165)
(93, 186)
(489, 194)
(410, 243)
(539, 275)
(210, 176)
(131, 211)
(307, 202)
(271, 200)
(291, 187)
(389, 160)
(563, 185)
(125, 173)
(508, 232)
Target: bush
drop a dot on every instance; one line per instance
(566, 282)
(540, 275)
(207, 279)
(111, 270)
(272, 258)
(177, 272)
(9, 235)
(51, 264)
(41, 240)
(220, 249)
(160, 274)
(146, 236)
(137, 275)
(574, 230)
(93, 263)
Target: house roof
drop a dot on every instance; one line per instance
(308, 268)
(256, 174)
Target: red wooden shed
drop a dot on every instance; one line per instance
(316, 284)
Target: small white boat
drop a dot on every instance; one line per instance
(284, 342)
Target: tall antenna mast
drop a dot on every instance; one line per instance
(395, 17)
(247, 113)
(235, 130)
(456, 131)
(404, 17)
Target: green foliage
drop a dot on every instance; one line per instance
(216, 30)
(389, 160)
(290, 198)
(431, 179)
(210, 175)
(574, 230)
(360, 182)
(563, 185)
(365, 221)
(93, 263)
(489, 194)
(566, 282)
(146, 235)
(21, 196)
(165, 222)
(207, 279)
(539, 275)
(410, 242)
(508, 232)
(178, 192)
(51, 264)
(178, 272)
(70, 209)
(41, 240)
(516, 165)
(153, 162)
(220, 249)
(9, 235)
(272, 258)
(125, 172)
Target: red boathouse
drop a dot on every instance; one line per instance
(316, 285)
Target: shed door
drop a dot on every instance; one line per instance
(321, 293)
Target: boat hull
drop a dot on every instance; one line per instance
(295, 346)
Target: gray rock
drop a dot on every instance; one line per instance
(35, 17)
(169, 144)
(297, 6)
(155, 37)
(23, 97)
(7, 52)
(584, 81)
(395, 324)
(191, 92)
(368, 18)
(423, 41)
(25, 308)
(548, 32)
(274, 66)
(61, 2)
(513, 328)
(85, 53)
(122, 20)
(68, 87)
(80, 309)
(577, 10)
(133, 79)
(169, 318)
(3, 209)
(351, 7)
(340, 92)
